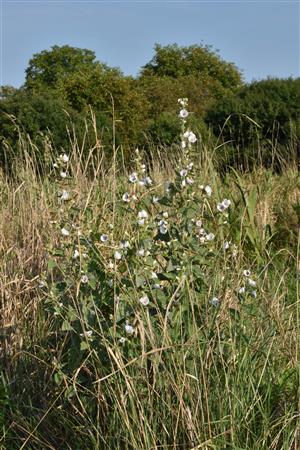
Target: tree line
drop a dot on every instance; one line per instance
(62, 85)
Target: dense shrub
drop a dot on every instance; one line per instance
(40, 115)
(265, 111)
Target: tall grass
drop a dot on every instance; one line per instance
(193, 374)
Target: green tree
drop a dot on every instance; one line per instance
(274, 104)
(267, 111)
(81, 82)
(34, 113)
(49, 67)
(196, 72)
(196, 60)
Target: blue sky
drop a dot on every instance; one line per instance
(261, 37)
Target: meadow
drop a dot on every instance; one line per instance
(150, 305)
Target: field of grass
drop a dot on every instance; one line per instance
(150, 307)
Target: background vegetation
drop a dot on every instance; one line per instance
(136, 310)
(63, 84)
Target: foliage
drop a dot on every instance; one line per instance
(66, 88)
(49, 67)
(266, 111)
(61, 86)
(135, 327)
(38, 114)
(115, 100)
(196, 72)
(178, 62)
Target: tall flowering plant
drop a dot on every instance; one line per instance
(175, 260)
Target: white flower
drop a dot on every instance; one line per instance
(220, 207)
(199, 223)
(242, 290)
(192, 138)
(147, 181)
(235, 251)
(189, 181)
(183, 144)
(63, 174)
(168, 185)
(141, 252)
(163, 229)
(84, 279)
(142, 216)
(154, 276)
(202, 232)
(183, 102)
(155, 199)
(103, 238)
(144, 300)
(87, 334)
(183, 173)
(76, 254)
(165, 214)
(110, 283)
(190, 166)
(226, 202)
(254, 294)
(65, 232)
(247, 273)
(210, 237)
(122, 340)
(126, 197)
(55, 165)
(183, 113)
(133, 178)
(64, 158)
(224, 205)
(214, 301)
(208, 190)
(65, 195)
(124, 244)
(226, 245)
(118, 255)
(129, 329)
(42, 284)
(251, 282)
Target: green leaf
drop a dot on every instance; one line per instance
(84, 345)
(51, 264)
(139, 280)
(170, 266)
(66, 326)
